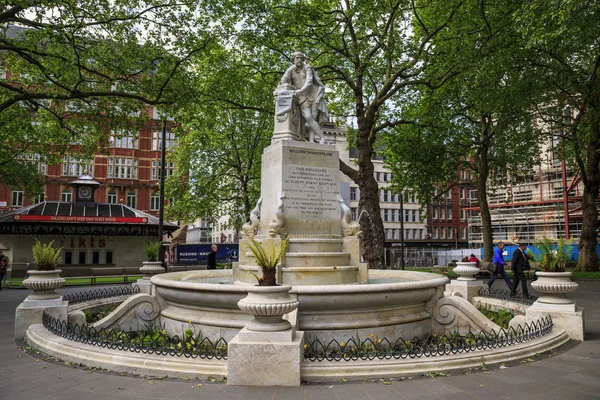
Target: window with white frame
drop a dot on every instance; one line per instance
(463, 232)
(36, 160)
(75, 166)
(157, 140)
(122, 167)
(435, 232)
(449, 214)
(124, 140)
(155, 171)
(354, 194)
(386, 215)
(155, 202)
(449, 232)
(353, 212)
(442, 233)
(16, 198)
(111, 197)
(131, 199)
(386, 195)
(38, 198)
(414, 215)
(66, 195)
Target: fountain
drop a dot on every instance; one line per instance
(325, 291)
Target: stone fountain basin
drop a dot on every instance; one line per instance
(397, 303)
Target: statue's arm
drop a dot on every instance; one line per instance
(287, 76)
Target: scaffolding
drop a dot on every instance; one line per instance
(547, 205)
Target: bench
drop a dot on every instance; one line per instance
(113, 272)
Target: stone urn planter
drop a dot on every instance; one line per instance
(44, 284)
(554, 286)
(466, 271)
(268, 304)
(151, 268)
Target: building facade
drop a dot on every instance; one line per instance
(128, 169)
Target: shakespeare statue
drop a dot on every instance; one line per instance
(309, 90)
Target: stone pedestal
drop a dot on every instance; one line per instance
(466, 289)
(301, 180)
(568, 317)
(265, 358)
(29, 313)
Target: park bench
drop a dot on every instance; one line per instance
(112, 272)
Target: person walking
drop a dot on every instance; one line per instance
(499, 261)
(3, 268)
(212, 257)
(520, 264)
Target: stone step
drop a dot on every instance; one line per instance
(317, 259)
(302, 245)
(342, 275)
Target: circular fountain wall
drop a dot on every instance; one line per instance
(393, 303)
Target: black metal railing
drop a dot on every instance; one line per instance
(506, 295)
(104, 293)
(430, 346)
(151, 340)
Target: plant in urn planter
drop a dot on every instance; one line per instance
(552, 280)
(45, 278)
(267, 301)
(152, 266)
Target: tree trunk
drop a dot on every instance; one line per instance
(369, 217)
(269, 277)
(484, 172)
(588, 258)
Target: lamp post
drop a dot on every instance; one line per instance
(161, 209)
(401, 231)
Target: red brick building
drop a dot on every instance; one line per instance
(128, 170)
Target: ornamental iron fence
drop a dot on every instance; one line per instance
(430, 346)
(506, 295)
(104, 293)
(151, 340)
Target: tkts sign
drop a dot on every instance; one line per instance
(68, 218)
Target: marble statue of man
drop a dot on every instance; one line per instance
(309, 91)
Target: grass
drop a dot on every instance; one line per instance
(16, 282)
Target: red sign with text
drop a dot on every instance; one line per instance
(68, 218)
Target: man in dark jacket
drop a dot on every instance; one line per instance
(212, 257)
(519, 266)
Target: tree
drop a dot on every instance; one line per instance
(479, 122)
(75, 71)
(561, 39)
(366, 54)
(224, 131)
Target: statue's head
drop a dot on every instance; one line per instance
(298, 58)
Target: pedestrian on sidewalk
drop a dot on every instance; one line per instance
(519, 265)
(500, 264)
(3, 268)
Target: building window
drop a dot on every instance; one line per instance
(124, 140)
(17, 198)
(354, 194)
(68, 257)
(82, 257)
(73, 166)
(111, 197)
(388, 234)
(157, 140)
(120, 167)
(37, 162)
(38, 198)
(386, 215)
(463, 232)
(155, 202)
(66, 195)
(435, 232)
(414, 215)
(109, 257)
(131, 199)
(95, 257)
(442, 233)
(449, 232)
(169, 169)
(353, 213)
